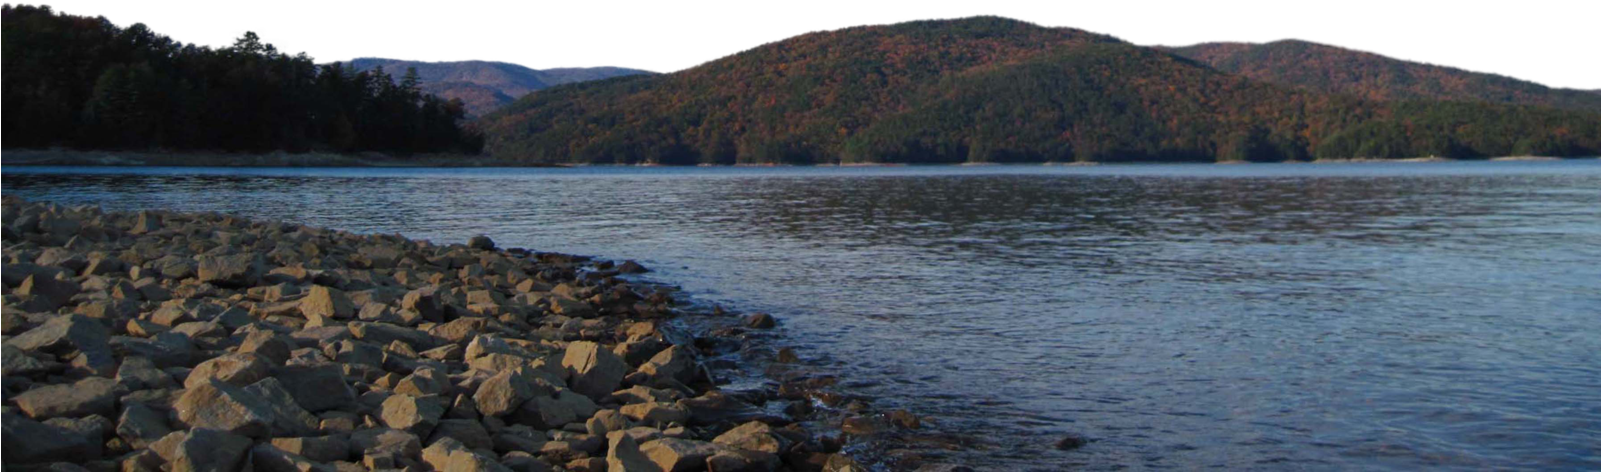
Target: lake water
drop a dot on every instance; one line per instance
(1340, 316)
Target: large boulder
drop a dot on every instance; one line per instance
(204, 449)
(623, 455)
(507, 390)
(139, 425)
(63, 335)
(593, 370)
(289, 419)
(218, 405)
(673, 363)
(58, 292)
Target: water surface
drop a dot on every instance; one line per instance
(1373, 316)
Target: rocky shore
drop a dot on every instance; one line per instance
(165, 341)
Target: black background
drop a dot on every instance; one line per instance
(1553, 45)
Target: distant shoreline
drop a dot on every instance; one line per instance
(57, 157)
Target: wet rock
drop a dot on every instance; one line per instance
(91, 396)
(754, 436)
(594, 371)
(1071, 441)
(760, 321)
(481, 242)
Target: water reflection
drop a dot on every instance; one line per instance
(1358, 316)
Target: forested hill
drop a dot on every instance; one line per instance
(1333, 69)
(85, 83)
(484, 86)
(991, 89)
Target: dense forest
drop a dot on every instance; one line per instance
(484, 86)
(996, 90)
(1331, 69)
(85, 83)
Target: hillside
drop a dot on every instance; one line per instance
(484, 86)
(991, 89)
(1371, 76)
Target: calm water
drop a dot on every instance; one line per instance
(1183, 316)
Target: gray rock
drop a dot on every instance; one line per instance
(470, 433)
(317, 448)
(64, 334)
(268, 458)
(753, 436)
(384, 334)
(656, 413)
(58, 292)
(481, 242)
(289, 419)
(317, 388)
(674, 363)
(504, 392)
(139, 425)
(624, 455)
(204, 449)
(92, 429)
(28, 442)
(385, 440)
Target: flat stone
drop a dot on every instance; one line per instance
(90, 396)
(222, 406)
(656, 413)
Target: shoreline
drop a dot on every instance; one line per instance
(318, 348)
(69, 158)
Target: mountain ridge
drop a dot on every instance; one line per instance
(484, 86)
(987, 89)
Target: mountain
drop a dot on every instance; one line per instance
(990, 89)
(1333, 69)
(484, 86)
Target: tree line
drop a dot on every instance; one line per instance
(85, 83)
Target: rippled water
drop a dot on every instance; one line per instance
(1181, 316)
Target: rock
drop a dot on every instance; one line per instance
(544, 412)
(236, 270)
(481, 242)
(289, 419)
(91, 396)
(715, 407)
(606, 421)
(204, 449)
(507, 390)
(572, 308)
(674, 363)
(424, 381)
(593, 370)
(20, 364)
(64, 334)
(317, 448)
(58, 292)
(753, 436)
(469, 433)
(317, 388)
(1071, 441)
(678, 455)
(412, 414)
(624, 455)
(139, 425)
(864, 425)
(438, 453)
(29, 442)
(760, 321)
(218, 405)
(631, 267)
(268, 458)
(238, 369)
(273, 347)
(742, 461)
(326, 302)
(641, 394)
(469, 461)
(656, 413)
(385, 440)
(92, 429)
(385, 334)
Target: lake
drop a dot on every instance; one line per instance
(1280, 316)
